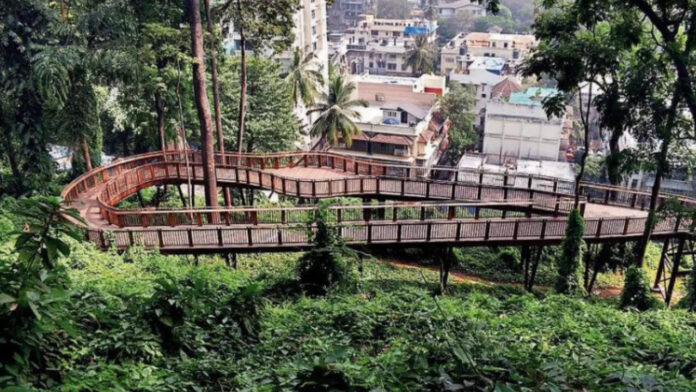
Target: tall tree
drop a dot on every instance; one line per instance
(579, 53)
(271, 122)
(337, 113)
(202, 104)
(458, 107)
(420, 56)
(263, 24)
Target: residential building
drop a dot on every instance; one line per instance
(343, 14)
(400, 125)
(461, 50)
(520, 129)
(472, 7)
(310, 36)
(487, 86)
(518, 170)
(379, 46)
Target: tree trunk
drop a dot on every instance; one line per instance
(585, 119)
(444, 269)
(85, 154)
(613, 170)
(597, 266)
(203, 106)
(535, 265)
(216, 94)
(662, 167)
(243, 85)
(159, 110)
(181, 196)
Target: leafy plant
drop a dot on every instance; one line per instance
(325, 264)
(636, 290)
(568, 281)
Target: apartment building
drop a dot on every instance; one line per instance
(379, 46)
(472, 7)
(343, 14)
(461, 49)
(400, 125)
(310, 36)
(520, 128)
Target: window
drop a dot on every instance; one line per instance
(314, 30)
(314, 14)
(483, 95)
(391, 114)
(372, 64)
(314, 46)
(391, 66)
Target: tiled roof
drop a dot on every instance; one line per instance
(506, 87)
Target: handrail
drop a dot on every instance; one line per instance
(475, 209)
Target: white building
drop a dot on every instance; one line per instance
(472, 7)
(520, 131)
(461, 49)
(379, 46)
(400, 125)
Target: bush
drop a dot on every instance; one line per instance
(689, 301)
(636, 290)
(324, 265)
(568, 280)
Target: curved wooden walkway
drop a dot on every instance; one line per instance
(472, 208)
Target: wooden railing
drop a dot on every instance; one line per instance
(463, 232)
(386, 187)
(317, 160)
(494, 217)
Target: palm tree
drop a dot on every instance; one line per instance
(420, 56)
(337, 113)
(304, 81)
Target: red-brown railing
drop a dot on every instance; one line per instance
(464, 232)
(415, 223)
(413, 188)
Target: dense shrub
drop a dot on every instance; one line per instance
(568, 280)
(689, 300)
(636, 290)
(326, 263)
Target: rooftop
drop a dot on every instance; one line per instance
(476, 77)
(533, 96)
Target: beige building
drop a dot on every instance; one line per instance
(461, 49)
(400, 125)
(379, 46)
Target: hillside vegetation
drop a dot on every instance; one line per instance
(146, 322)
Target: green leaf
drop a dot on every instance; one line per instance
(6, 299)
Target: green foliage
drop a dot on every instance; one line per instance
(689, 301)
(568, 281)
(325, 264)
(458, 106)
(33, 288)
(304, 80)
(503, 20)
(337, 113)
(421, 56)
(270, 122)
(636, 291)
